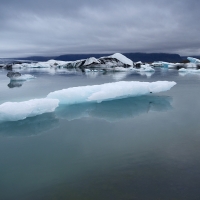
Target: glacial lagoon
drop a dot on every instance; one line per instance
(144, 147)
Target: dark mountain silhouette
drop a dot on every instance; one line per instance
(144, 57)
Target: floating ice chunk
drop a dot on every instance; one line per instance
(189, 70)
(108, 91)
(193, 60)
(55, 63)
(191, 65)
(17, 66)
(157, 64)
(122, 58)
(145, 68)
(23, 77)
(14, 111)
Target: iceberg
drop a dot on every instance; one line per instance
(17, 66)
(14, 111)
(144, 68)
(116, 59)
(157, 64)
(189, 70)
(108, 91)
(122, 58)
(193, 60)
(191, 65)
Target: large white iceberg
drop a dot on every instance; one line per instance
(108, 91)
(14, 111)
(122, 59)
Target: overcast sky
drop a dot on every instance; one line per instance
(55, 27)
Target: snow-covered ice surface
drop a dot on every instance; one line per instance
(23, 77)
(108, 91)
(122, 58)
(14, 111)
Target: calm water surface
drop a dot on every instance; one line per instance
(145, 147)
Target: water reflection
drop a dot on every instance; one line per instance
(29, 126)
(120, 75)
(110, 111)
(147, 74)
(116, 110)
(14, 84)
(51, 71)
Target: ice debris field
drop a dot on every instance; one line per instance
(14, 111)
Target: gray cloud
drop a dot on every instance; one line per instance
(57, 27)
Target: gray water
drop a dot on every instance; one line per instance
(144, 147)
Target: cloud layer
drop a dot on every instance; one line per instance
(57, 27)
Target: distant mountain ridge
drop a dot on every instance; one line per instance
(144, 57)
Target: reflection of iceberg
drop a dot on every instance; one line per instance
(30, 126)
(113, 110)
(119, 76)
(13, 84)
(109, 110)
(147, 74)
